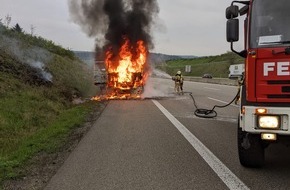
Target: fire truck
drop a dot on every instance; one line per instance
(265, 91)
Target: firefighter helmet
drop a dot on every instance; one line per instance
(178, 72)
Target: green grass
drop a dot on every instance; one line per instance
(48, 139)
(33, 119)
(218, 65)
(72, 76)
(36, 115)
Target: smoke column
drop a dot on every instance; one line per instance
(109, 21)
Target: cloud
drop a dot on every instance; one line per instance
(183, 27)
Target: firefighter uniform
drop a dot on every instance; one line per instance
(178, 79)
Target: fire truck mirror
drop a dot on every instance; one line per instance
(232, 12)
(233, 30)
(244, 10)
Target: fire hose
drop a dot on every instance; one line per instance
(209, 113)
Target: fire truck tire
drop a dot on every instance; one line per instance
(251, 149)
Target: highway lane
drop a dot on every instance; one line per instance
(133, 145)
(219, 135)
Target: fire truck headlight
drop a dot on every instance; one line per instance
(268, 122)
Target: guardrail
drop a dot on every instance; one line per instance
(223, 81)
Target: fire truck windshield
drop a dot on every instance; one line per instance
(270, 23)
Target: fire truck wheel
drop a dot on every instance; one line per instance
(251, 149)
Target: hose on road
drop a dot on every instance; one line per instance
(209, 113)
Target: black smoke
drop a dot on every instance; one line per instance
(111, 21)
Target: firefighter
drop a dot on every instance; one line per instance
(178, 79)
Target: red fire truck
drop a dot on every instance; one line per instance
(265, 92)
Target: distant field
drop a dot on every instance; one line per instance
(217, 66)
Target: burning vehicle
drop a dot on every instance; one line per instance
(122, 31)
(125, 72)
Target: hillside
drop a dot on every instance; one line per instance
(39, 82)
(218, 65)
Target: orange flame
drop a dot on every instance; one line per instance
(126, 71)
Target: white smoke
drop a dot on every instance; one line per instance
(40, 66)
(33, 56)
(155, 89)
(160, 74)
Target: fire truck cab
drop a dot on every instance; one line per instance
(265, 93)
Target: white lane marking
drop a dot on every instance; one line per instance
(211, 88)
(228, 177)
(222, 101)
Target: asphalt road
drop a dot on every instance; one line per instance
(158, 143)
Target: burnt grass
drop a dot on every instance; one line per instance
(24, 72)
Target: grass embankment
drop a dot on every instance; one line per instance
(218, 65)
(38, 81)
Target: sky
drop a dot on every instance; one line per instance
(183, 27)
